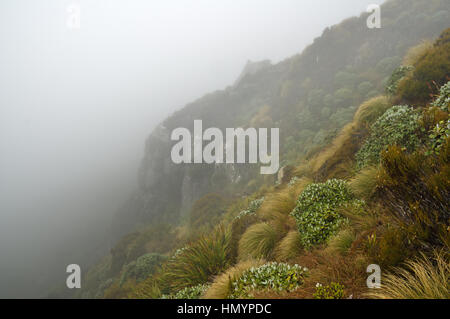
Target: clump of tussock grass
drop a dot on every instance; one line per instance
(148, 289)
(341, 140)
(422, 278)
(302, 170)
(370, 111)
(258, 241)
(361, 217)
(199, 262)
(289, 247)
(342, 241)
(364, 183)
(222, 284)
(415, 53)
(278, 205)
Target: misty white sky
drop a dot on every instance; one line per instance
(77, 105)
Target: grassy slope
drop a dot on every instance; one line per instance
(270, 232)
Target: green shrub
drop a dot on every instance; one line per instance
(143, 267)
(331, 291)
(271, 276)
(399, 125)
(437, 137)
(195, 292)
(443, 100)
(252, 208)
(316, 211)
(399, 74)
(415, 188)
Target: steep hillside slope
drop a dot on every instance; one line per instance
(204, 227)
(308, 97)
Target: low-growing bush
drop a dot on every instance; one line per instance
(443, 99)
(437, 137)
(252, 208)
(415, 189)
(316, 211)
(397, 126)
(143, 267)
(397, 75)
(431, 116)
(195, 292)
(331, 291)
(271, 276)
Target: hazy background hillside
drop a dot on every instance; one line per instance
(76, 106)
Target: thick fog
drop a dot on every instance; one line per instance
(76, 105)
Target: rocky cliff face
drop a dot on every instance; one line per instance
(167, 191)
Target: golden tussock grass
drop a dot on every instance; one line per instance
(364, 183)
(319, 160)
(283, 201)
(258, 241)
(421, 278)
(342, 241)
(370, 111)
(289, 247)
(415, 53)
(363, 221)
(221, 286)
(302, 170)
(335, 161)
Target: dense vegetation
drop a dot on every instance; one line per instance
(360, 185)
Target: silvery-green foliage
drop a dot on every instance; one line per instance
(271, 276)
(443, 99)
(316, 211)
(399, 125)
(194, 292)
(252, 208)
